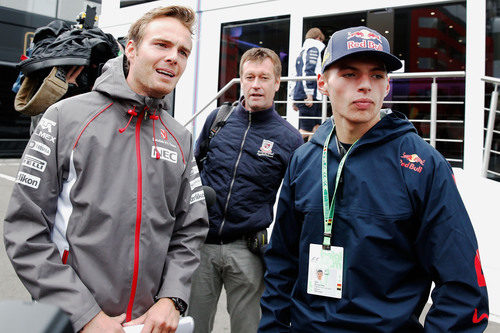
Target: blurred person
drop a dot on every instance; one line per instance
(308, 63)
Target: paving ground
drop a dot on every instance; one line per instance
(12, 289)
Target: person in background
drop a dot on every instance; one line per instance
(107, 217)
(376, 208)
(306, 92)
(245, 164)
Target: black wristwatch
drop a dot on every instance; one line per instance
(179, 304)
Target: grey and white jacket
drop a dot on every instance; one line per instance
(108, 211)
(308, 63)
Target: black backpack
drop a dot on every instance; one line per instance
(219, 121)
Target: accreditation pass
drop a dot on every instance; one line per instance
(325, 271)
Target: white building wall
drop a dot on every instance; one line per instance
(480, 195)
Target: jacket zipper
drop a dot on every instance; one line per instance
(138, 217)
(234, 173)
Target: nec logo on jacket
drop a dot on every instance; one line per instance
(165, 154)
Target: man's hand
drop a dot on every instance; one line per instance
(104, 323)
(309, 100)
(162, 317)
(295, 107)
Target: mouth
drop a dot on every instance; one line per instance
(256, 95)
(165, 72)
(363, 103)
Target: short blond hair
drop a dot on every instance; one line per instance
(315, 33)
(259, 54)
(184, 14)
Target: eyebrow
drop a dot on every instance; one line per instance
(166, 41)
(352, 68)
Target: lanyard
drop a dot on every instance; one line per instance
(329, 208)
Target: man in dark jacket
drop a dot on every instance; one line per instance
(245, 164)
(375, 208)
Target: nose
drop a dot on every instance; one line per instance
(256, 83)
(365, 84)
(171, 55)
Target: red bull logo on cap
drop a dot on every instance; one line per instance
(413, 160)
(368, 40)
(364, 34)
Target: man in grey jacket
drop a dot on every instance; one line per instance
(108, 214)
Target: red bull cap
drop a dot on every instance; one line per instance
(355, 40)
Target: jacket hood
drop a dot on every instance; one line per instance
(112, 83)
(392, 125)
(313, 43)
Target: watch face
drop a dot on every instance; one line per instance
(179, 304)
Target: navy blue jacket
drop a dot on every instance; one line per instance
(246, 183)
(402, 224)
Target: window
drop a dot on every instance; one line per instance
(238, 37)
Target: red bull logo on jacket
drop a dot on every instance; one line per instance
(414, 162)
(369, 40)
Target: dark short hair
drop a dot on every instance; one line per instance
(259, 54)
(184, 14)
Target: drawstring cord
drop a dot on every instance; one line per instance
(132, 114)
(154, 117)
(178, 144)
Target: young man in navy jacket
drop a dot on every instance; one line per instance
(245, 165)
(369, 217)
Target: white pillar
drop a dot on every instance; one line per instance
(474, 88)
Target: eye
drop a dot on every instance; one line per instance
(378, 76)
(348, 75)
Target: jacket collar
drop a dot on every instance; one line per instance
(310, 42)
(256, 116)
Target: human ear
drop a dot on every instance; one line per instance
(387, 88)
(130, 49)
(322, 85)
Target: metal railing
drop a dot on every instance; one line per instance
(490, 129)
(433, 101)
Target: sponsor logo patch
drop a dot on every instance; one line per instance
(168, 143)
(266, 149)
(34, 163)
(194, 170)
(39, 147)
(164, 134)
(195, 183)
(27, 179)
(165, 154)
(197, 196)
(45, 136)
(414, 162)
(47, 124)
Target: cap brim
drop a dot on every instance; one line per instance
(392, 63)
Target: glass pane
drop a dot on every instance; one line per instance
(41, 7)
(238, 37)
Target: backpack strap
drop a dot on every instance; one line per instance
(219, 121)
